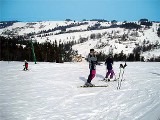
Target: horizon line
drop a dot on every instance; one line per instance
(94, 19)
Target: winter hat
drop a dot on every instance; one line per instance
(91, 50)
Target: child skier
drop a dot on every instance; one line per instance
(25, 65)
(109, 63)
(92, 59)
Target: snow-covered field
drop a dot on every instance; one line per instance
(49, 91)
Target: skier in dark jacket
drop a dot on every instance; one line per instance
(109, 63)
(92, 59)
(25, 65)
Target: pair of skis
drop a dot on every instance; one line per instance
(121, 73)
(83, 86)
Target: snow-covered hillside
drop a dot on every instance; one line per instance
(49, 91)
(151, 54)
(101, 40)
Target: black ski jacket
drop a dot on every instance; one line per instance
(109, 62)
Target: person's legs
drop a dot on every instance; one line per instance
(91, 75)
(26, 68)
(107, 74)
(112, 73)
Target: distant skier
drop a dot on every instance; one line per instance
(25, 65)
(92, 59)
(109, 63)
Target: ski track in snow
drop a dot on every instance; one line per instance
(49, 91)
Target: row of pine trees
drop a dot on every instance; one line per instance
(18, 49)
(13, 49)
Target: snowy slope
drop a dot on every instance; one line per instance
(110, 36)
(151, 54)
(49, 91)
(126, 46)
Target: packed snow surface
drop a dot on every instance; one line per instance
(50, 91)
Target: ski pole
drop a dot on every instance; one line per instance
(119, 77)
(120, 81)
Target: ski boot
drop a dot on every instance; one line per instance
(105, 79)
(91, 85)
(87, 84)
